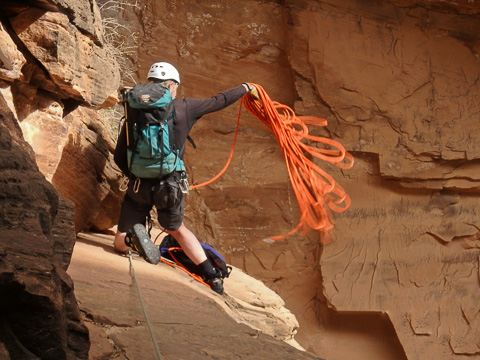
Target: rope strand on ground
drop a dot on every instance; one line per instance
(149, 325)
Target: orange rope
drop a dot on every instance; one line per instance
(317, 192)
(229, 158)
(178, 265)
(195, 276)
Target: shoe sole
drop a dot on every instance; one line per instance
(148, 249)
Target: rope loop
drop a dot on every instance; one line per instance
(317, 193)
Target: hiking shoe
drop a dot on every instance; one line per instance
(216, 284)
(139, 240)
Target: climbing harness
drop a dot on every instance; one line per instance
(316, 191)
(150, 329)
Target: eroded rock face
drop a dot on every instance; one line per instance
(52, 62)
(11, 58)
(55, 62)
(405, 101)
(86, 173)
(40, 317)
(45, 130)
(398, 83)
(75, 64)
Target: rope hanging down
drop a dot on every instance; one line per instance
(229, 157)
(316, 191)
(149, 325)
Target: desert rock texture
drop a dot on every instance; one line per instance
(397, 82)
(52, 63)
(187, 319)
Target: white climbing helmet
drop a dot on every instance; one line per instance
(163, 71)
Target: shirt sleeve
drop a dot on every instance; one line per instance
(195, 108)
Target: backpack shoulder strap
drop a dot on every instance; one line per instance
(180, 147)
(190, 140)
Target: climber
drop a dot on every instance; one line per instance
(143, 193)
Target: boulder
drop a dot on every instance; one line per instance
(45, 130)
(80, 68)
(11, 59)
(86, 173)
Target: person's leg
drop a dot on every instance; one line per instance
(131, 231)
(194, 250)
(172, 218)
(130, 214)
(189, 243)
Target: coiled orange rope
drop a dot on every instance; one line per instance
(316, 191)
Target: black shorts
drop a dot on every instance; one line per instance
(140, 198)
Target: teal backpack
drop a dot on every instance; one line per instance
(152, 151)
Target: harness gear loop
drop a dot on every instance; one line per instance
(136, 185)
(124, 184)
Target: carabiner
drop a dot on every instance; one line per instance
(183, 184)
(136, 185)
(124, 184)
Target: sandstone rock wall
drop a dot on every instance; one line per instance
(52, 63)
(40, 316)
(406, 100)
(55, 65)
(398, 83)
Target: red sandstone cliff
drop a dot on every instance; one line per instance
(52, 60)
(398, 83)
